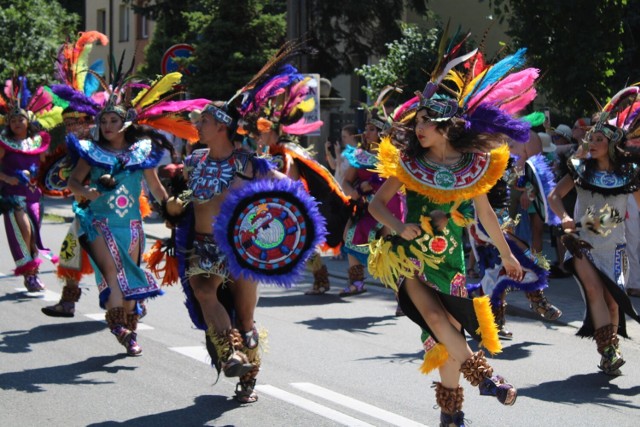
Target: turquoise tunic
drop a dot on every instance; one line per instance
(115, 215)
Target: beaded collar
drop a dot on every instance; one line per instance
(604, 182)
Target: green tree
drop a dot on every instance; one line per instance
(580, 50)
(347, 33)
(406, 63)
(232, 39)
(31, 31)
(235, 39)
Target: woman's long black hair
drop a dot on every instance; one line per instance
(137, 132)
(460, 138)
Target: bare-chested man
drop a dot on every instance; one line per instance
(211, 173)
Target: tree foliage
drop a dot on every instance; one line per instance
(346, 33)
(31, 31)
(580, 50)
(232, 39)
(406, 64)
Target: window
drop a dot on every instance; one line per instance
(101, 20)
(142, 31)
(123, 16)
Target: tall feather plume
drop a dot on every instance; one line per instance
(81, 52)
(158, 88)
(285, 54)
(495, 73)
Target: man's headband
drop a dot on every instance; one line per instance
(219, 115)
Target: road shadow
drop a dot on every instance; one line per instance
(291, 299)
(204, 410)
(356, 324)
(592, 388)
(400, 358)
(517, 351)
(20, 341)
(31, 380)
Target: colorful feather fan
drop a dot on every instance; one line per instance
(279, 96)
(39, 105)
(78, 80)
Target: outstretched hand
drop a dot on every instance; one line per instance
(512, 267)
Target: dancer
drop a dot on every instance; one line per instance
(455, 154)
(23, 147)
(596, 242)
(272, 114)
(78, 93)
(361, 183)
(120, 154)
(495, 283)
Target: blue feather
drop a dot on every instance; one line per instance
(91, 82)
(25, 93)
(499, 70)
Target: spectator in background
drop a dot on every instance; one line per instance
(333, 151)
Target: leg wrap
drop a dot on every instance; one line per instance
(225, 351)
(449, 399)
(542, 306)
(356, 273)
(499, 314)
(70, 294)
(245, 389)
(132, 321)
(478, 372)
(608, 346)
(118, 323)
(321, 278)
(476, 368)
(115, 317)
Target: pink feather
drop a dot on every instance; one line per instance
(101, 97)
(509, 88)
(175, 107)
(269, 90)
(520, 102)
(404, 107)
(41, 101)
(301, 127)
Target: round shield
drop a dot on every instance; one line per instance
(54, 174)
(540, 182)
(268, 229)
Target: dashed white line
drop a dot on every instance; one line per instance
(356, 405)
(100, 318)
(311, 406)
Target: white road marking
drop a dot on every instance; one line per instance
(356, 405)
(198, 353)
(311, 406)
(100, 318)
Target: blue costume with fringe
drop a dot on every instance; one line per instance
(115, 215)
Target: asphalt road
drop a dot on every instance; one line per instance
(328, 362)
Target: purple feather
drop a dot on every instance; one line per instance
(488, 256)
(288, 274)
(78, 101)
(489, 119)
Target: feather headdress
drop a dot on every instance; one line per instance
(149, 104)
(78, 80)
(278, 96)
(484, 95)
(17, 99)
(619, 121)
